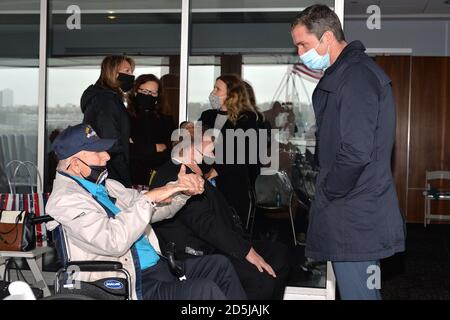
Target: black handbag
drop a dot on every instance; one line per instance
(17, 233)
(4, 284)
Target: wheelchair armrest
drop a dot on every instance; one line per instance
(41, 219)
(95, 266)
(174, 267)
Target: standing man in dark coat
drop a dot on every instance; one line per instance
(355, 219)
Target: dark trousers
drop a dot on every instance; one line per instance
(261, 285)
(208, 278)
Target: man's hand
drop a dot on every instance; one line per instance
(254, 258)
(211, 174)
(160, 147)
(194, 182)
(163, 194)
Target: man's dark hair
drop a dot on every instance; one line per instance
(318, 19)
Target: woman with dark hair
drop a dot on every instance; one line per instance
(231, 111)
(151, 129)
(104, 109)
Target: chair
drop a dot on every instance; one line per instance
(273, 194)
(18, 172)
(432, 193)
(34, 260)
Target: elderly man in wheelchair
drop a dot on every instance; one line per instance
(102, 229)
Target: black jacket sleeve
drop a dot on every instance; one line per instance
(108, 120)
(145, 149)
(208, 226)
(208, 118)
(105, 115)
(142, 151)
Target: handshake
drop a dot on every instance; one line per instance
(190, 184)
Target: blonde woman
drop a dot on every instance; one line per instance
(231, 110)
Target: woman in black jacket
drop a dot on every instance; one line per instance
(104, 109)
(232, 110)
(151, 129)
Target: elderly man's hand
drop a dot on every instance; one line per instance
(194, 182)
(254, 258)
(164, 194)
(211, 174)
(160, 147)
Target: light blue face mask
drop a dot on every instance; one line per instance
(313, 60)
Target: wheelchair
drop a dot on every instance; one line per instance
(66, 288)
(112, 288)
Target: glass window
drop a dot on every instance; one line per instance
(203, 71)
(252, 38)
(67, 84)
(83, 32)
(19, 69)
(288, 85)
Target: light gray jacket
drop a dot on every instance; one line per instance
(92, 235)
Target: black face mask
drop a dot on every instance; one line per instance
(98, 174)
(146, 102)
(206, 166)
(126, 81)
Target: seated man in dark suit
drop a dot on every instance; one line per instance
(208, 225)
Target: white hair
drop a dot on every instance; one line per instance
(63, 164)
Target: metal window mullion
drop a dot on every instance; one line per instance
(184, 59)
(42, 92)
(339, 10)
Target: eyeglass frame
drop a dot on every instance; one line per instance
(148, 92)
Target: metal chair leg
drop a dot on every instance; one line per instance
(292, 221)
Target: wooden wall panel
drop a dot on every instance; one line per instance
(170, 84)
(424, 83)
(429, 128)
(445, 92)
(174, 64)
(398, 69)
(231, 64)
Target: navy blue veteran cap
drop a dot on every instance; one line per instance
(79, 138)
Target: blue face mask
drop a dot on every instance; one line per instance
(314, 60)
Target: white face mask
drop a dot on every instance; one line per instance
(313, 60)
(214, 101)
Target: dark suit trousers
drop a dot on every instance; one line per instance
(261, 285)
(208, 278)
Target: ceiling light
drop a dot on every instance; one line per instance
(111, 17)
(111, 11)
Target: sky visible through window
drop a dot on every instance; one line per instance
(66, 85)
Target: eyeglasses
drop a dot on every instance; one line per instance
(148, 92)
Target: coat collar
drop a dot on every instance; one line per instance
(328, 81)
